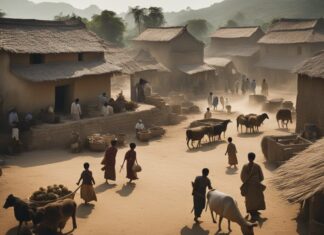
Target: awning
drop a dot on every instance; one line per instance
(286, 64)
(195, 68)
(218, 62)
(61, 71)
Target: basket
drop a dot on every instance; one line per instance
(108, 138)
(98, 146)
(157, 131)
(136, 168)
(144, 135)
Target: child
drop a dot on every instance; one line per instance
(231, 151)
(87, 192)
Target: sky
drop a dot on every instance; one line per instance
(122, 5)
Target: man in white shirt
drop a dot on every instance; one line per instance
(76, 110)
(13, 118)
(139, 126)
(107, 110)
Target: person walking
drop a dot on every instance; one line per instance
(215, 102)
(231, 152)
(252, 188)
(264, 88)
(199, 193)
(87, 191)
(210, 99)
(109, 161)
(76, 110)
(130, 158)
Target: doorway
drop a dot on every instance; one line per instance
(62, 99)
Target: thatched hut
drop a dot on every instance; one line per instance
(46, 63)
(301, 179)
(286, 44)
(181, 53)
(139, 64)
(310, 105)
(239, 44)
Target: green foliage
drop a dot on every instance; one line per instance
(2, 14)
(231, 23)
(199, 28)
(108, 26)
(138, 15)
(61, 17)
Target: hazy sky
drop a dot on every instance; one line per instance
(122, 5)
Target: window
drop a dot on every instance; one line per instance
(80, 56)
(299, 50)
(36, 58)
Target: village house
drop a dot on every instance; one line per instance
(181, 53)
(238, 44)
(310, 105)
(287, 43)
(137, 64)
(50, 63)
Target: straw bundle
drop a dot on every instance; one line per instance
(303, 175)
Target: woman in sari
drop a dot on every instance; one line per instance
(109, 162)
(130, 158)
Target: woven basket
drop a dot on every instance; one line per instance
(144, 136)
(157, 131)
(98, 146)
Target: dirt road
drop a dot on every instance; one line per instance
(160, 202)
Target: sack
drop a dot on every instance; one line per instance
(244, 189)
(137, 168)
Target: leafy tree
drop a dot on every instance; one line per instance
(108, 26)
(2, 14)
(138, 15)
(239, 17)
(154, 18)
(61, 17)
(199, 28)
(231, 23)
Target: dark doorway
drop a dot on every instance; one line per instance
(62, 99)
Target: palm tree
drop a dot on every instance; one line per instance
(155, 18)
(138, 14)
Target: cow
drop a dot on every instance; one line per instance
(257, 121)
(226, 207)
(196, 134)
(54, 216)
(284, 115)
(23, 212)
(218, 129)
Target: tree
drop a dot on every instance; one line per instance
(154, 18)
(2, 14)
(61, 17)
(198, 27)
(138, 15)
(108, 26)
(231, 23)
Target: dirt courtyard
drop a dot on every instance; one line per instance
(160, 202)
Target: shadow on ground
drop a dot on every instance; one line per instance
(207, 146)
(103, 187)
(196, 229)
(84, 210)
(126, 190)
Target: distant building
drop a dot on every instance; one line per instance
(238, 44)
(181, 53)
(287, 43)
(310, 98)
(45, 63)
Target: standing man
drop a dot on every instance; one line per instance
(76, 110)
(252, 188)
(210, 99)
(199, 193)
(102, 99)
(13, 118)
(253, 86)
(264, 88)
(109, 162)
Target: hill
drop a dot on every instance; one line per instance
(44, 10)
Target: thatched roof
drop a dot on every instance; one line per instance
(303, 175)
(313, 67)
(192, 69)
(40, 36)
(235, 32)
(133, 61)
(284, 63)
(163, 34)
(218, 62)
(290, 31)
(61, 71)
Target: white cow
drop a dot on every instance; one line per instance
(226, 207)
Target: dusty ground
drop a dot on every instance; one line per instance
(160, 202)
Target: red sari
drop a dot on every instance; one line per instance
(110, 161)
(130, 158)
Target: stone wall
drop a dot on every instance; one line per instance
(58, 135)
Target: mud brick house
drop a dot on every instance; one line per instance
(46, 63)
(310, 98)
(181, 53)
(286, 44)
(238, 44)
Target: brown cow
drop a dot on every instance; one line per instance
(284, 115)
